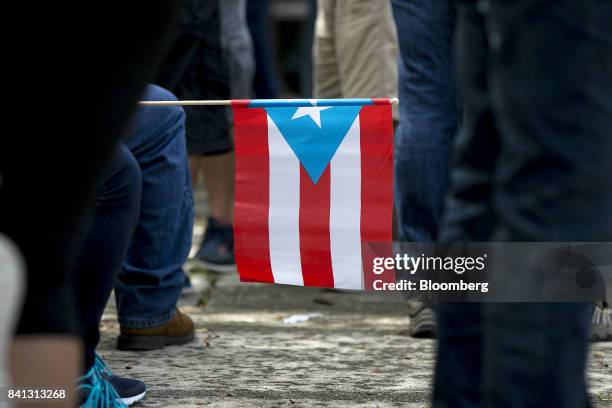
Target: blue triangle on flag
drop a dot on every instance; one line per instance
(314, 146)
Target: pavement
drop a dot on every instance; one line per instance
(280, 346)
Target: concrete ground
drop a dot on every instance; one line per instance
(353, 351)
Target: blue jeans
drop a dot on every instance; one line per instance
(152, 276)
(428, 114)
(530, 163)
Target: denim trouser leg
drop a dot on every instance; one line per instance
(428, 114)
(111, 223)
(152, 276)
(530, 164)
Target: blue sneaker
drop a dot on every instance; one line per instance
(128, 390)
(217, 250)
(94, 392)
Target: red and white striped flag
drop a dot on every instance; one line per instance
(313, 182)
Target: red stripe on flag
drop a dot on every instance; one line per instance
(381, 101)
(315, 249)
(376, 183)
(252, 195)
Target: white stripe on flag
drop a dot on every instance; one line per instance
(345, 211)
(284, 211)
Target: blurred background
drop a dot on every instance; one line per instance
(290, 26)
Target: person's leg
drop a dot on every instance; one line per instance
(216, 251)
(112, 220)
(46, 362)
(326, 74)
(555, 123)
(111, 224)
(553, 174)
(551, 127)
(182, 53)
(219, 183)
(196, 68)
(534, 354)
(428, 114)
(366, 49)
(210, 146)
(151, 280)
(428, 122)
(265, 81)
(238, 47)
(11, 293)
(184, 45)
(468, 214)
(47, 185)
(218, 170)
(195, 169)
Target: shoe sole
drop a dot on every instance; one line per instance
(601, 334)
(423, 325)
(213, 267)
(132, 400)
(146, 343)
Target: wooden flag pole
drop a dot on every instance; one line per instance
(223, 102)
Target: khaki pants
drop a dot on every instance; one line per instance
(355, 50)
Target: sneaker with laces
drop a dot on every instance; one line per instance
(601, 323)
(216, 252)
(95, 392)
(128, 389)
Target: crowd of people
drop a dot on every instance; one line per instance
(502, 134)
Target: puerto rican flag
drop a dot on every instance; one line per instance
(313, 182)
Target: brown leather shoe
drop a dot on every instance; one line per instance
(176, 331)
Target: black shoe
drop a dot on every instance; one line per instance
(128, 390)
(217, 250)
(422, 320)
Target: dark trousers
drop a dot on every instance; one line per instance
(531, 163)
(266, 82)
(112, 221)
(91, 71)
(195, 67)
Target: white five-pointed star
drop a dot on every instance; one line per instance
(314, 112)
